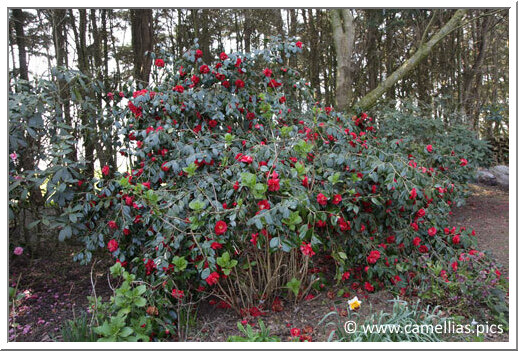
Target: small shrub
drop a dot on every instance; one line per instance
(78, 329)
(263, 335)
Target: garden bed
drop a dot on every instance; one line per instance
(57, 287)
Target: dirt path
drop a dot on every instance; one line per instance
(487, 211)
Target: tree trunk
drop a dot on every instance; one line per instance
(142, 42)
(19, 19)
(343, 38)
(424, 50)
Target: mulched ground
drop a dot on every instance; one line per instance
(56, 287)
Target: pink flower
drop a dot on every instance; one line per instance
(463, 162)
(18, 251)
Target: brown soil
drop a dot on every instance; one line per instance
(57, 287)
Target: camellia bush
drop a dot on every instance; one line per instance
(240, 186)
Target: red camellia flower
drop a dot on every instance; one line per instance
(246, 159)
(106, 170)
(223, 56)
(421, 213)
(373, 256)
(306, 249)
(159, 63)
(198, 54)
(221, 227)
(274, 184)
(299, 44)
(177, 294)
(263, 205)
(204, 69)
(212, 278)
(239, 83)
(454, 266)
(346, 276)
(236, 185)
(113, 245)
(112, 224)
(179, 89)
(423, 249)
(267, 72)
(295, 332)
(337, 199)
(463, 162)
(322, 199)
(344, 225)
(126, 231)
(429, 148)
(456, 239)
(432, 231)
(164, 167)
(274, 84)
(305, 182)
(215, 245)
(413, 194)
(369, 287)
(416, 241)
(391, 239)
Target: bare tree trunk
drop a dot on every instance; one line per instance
(343, 37)
(19, 19)
(424, 50)
(142, 42)
(247, 30)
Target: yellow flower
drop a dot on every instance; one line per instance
(354, 304)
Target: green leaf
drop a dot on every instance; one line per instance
(65, 233)
(294, 286)
(180, 264)
(197, 205)
(140, 302)
(141, 289)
